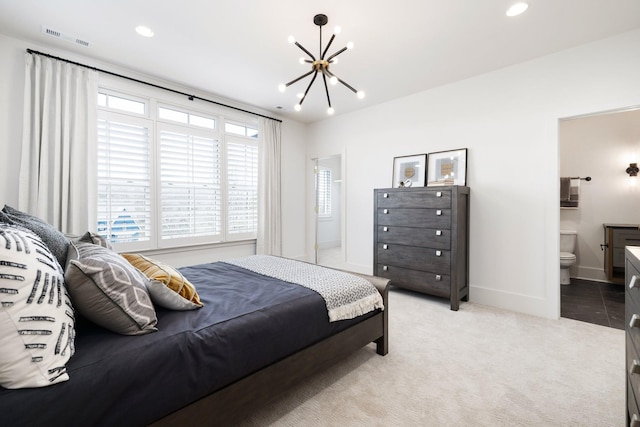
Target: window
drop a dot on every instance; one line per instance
(171, 178)
(190, 184)
(324, 192)
(242, 176)
(124, 178)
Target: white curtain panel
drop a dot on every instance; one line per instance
(269, 241)
(57, 171)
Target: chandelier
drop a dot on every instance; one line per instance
(320, 65)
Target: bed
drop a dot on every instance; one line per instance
(254, 338)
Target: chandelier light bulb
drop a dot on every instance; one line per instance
(334, 61)
(330, 111)
(282, 87)
(350, 45)
(291, 39)
(337, 30)
(299, 95)
(301, 60)
(360, 94)
(333, 80)
(297, 107)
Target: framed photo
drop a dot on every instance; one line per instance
(409, 171)
(447, 168)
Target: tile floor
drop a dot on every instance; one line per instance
(593, 302)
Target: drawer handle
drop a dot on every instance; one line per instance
(635, 421)
(438, 277)
(439, 194)
(632, 282)
(385, 268)
(438, 212)
(385, 228)
(438, 232)
(438, 253)
(635, 367)
(385, 195)
(386, 211)
(635, 321)
(385, 247)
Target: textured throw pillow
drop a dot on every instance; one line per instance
(168, 287)
(56, 241)
(96, 239)
(37, 328)
(107, 290)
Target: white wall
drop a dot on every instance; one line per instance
(600, 146)
(294, 136)
(508, 119)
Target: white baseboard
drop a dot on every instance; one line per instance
(589, 273)
(511, 301)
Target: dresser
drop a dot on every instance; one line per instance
(632, 317)
(421, 240)
(616, 237)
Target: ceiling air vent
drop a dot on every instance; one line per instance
(60, 35)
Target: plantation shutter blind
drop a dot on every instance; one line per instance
(124, 180)
(190, 184)
(324, 192)
(242, 176)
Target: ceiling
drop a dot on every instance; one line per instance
(238, 49)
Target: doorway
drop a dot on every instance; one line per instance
(599, 145)
(329, 208)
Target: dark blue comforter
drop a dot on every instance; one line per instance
(248, 321)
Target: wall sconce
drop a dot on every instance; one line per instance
(633, 170)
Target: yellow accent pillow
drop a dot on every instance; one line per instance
(168, 287)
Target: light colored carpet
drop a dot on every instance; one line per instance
(479, 366)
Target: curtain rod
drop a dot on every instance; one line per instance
(189, 96)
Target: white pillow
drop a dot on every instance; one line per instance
(37, 327)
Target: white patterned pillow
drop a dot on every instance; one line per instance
(109, 291)
(37, 329)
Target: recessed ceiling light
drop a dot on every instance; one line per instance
(517, 9)
(144, 31)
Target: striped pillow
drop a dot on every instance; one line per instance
(37, 328)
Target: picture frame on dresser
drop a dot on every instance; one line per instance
(409, 171)
(447, 168)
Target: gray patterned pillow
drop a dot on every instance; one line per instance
(37, 328)
(109, 291)
(56, 241)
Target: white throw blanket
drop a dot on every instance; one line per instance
(346, 296)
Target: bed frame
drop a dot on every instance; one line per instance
(230, 403)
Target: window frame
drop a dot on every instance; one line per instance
(154, 100)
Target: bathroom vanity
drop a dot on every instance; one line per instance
(421, 240)
(616, 237)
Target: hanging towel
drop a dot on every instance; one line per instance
(569, 192)
(565, 183)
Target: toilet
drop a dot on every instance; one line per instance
(567, 254)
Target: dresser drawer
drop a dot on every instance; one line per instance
(406, 217)
(414, 199)
(632, 294)
(625, 237)
(433, 284)
(632, 406)
(411, 236)
(424, 259)
(633, 365)
(632, 331)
